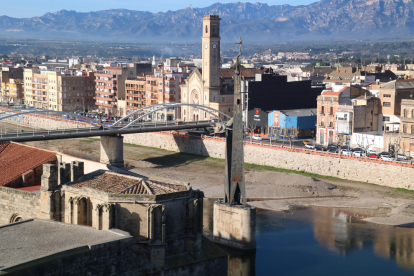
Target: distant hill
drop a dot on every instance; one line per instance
(326, 19)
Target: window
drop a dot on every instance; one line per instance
(322, 109)
(386, 104)
(387, 95)
(385, 119)
(404, 128)
(323, 99)
(405, 112)
(229, 109)
(206, 29)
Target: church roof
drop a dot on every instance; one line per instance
(116, 183)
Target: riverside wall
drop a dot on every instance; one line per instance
(391, 174)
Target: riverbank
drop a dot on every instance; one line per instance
(266, 187)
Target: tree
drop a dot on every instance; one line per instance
(290, 134)
(395, 146)
(363, 142)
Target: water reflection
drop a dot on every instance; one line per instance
(323, 241)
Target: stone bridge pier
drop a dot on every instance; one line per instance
(112, 150)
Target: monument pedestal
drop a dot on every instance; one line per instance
(234, 226)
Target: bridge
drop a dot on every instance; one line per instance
(42, 124)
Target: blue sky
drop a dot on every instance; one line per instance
(30, 8)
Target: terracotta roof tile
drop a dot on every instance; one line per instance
(116, 183)
(330, 93)
(16, 159)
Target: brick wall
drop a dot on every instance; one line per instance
(391, 174)
(13, 201)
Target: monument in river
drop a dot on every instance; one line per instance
(234, 220)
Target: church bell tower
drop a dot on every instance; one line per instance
(211, 51)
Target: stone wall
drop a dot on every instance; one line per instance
(392, 174)
(16, 203)
(110, 258)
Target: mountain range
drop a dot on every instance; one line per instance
(325, 20)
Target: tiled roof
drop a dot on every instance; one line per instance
(16, 159)
(116, 183)
(330, 93)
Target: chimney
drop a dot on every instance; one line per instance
(63, 173)
(76, 170)
(49, 177)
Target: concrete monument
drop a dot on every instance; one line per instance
(234, 219)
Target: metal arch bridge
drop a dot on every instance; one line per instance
(148, 119)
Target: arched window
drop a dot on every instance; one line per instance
(206, 29)
(15, 218)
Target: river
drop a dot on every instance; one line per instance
(323, 241)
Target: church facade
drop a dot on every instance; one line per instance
(203, 85)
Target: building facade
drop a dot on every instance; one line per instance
(12, 84)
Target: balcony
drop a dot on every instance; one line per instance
(407, 119)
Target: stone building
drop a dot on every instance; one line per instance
(164, 218)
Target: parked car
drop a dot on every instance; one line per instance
(402, 157)
(359, 153)
(372, 151)
(346, 152)
(387, 158)
(346, 148)
(320, 148)
(309, 146)
(384, 153)
(179, 123)
(257, 137)
(373, 155)
(333, 149)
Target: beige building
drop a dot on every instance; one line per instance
(391, 94)
(56, 90)
(12, 84)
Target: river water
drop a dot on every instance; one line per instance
(323, 241)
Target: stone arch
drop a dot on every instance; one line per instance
(82, 211)
(15, 218)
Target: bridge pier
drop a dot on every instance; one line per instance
(112, 150)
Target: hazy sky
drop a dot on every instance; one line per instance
(30, 8)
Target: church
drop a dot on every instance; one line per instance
(209, 85)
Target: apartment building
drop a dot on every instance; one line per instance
(406, 132)
(341, 113)
(391, 95)
(110, 85)
(135, 94)
(57, 90)
(12, 84)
